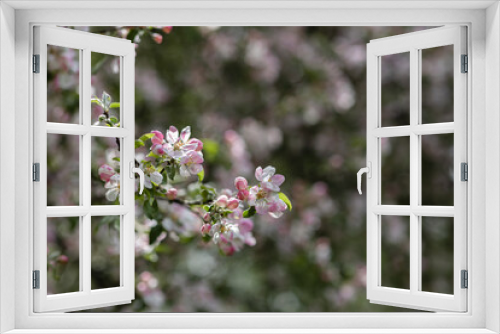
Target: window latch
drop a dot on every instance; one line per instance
(368, 171)
(139, 171)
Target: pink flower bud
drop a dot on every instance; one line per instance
(243, 194)
(206, 228)
(206, 216)
(62, 259)
(158, 38)
(172, 194)
(221, 201)
(167, 30)
(233, 203)
(241, 183)
(158, 137)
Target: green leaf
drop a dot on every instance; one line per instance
(201, 175)
(210, 149)
(96, 101)
(138, 143)
(249, 212)
(116, 159)
(171, 172)
(146, 136)
(106, 100)
(154, 233)
(206, 208)
(114, 105)
(285, 199)
(113, 120)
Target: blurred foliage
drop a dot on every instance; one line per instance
(291, 97)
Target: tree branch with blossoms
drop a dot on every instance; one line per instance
(174, 172)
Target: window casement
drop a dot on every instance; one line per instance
(411, 134)
(481, 120)
(84, 132)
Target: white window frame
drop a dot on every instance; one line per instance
(85, 43)
(413, 43)
(481, 17)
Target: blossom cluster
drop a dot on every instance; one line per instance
(221, 217)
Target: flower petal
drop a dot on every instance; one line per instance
(156, 178)
(270, 186)
(195, 169)
(186, 134)
(278, 179)
(268, 172)
(258, 173)
(172, 135)
(112, 194)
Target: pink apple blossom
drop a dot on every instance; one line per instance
(191, 163)
(171, 193)
(106, 172)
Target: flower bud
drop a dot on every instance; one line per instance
(206, 216)
(241, 183)
(233, 203)
(221, 201)
(158, 38)
(62, 259)
(206, 228)
(172, 193)
(243, 194)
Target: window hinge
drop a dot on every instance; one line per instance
(36, 63)
(464, 279)
(465, 64)
(36, 172)
(464, 171)
(36, 279)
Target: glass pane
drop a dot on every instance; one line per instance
(437, 84)
(105, 171)
(63, 84)
(437, 169)
(63, 255)
(63, 170)
(105, 259)
(395, 165)
(395, 84)
(437, 254)
(105, 89)
(395, 252)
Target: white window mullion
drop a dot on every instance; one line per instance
(414, 170)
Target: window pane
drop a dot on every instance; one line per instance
(437, 254)
(63, 83)
(437, 169)
(395, 165)
(105, 89)
(395, 84)
(106, 168)
(395, 252)
(105, 259)
(63, 255)
(63, 170)
(437, 84)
